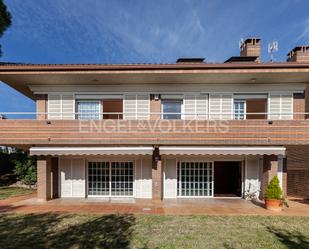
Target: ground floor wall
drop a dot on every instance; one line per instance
(74, 178)
(158, 178)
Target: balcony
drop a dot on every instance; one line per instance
(27, 132)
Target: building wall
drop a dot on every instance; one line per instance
(298, 171)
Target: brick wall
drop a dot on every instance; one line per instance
(270, 169)
(155, 106)
(299, 105)
(41, 105)
(298, 171)
(44, 178)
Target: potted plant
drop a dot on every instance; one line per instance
(274, 199)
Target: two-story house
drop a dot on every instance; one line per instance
(192, 129)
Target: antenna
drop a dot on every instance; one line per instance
(241, 43)
(273, 48)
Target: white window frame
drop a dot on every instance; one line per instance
(85, 101)
(178, 193)
(110, 161)
(172, 100)
(239, 114)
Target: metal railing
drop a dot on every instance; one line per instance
(147, 115)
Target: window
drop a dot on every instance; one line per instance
(171, 109)
(110, 178)
(250, 106)
(239, 109)
(88, 109)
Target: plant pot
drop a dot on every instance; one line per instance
(273, 204)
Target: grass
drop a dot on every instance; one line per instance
(6, 192)
(152, 231)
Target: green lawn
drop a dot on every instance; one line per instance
(6, 192)
(150, 231)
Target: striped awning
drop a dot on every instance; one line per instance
(90, 151)
(241, 150)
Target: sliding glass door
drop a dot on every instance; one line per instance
(194, 179)
(110, 178)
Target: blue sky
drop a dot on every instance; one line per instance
(134, 31)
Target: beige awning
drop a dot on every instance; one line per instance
(90, 151)
(241, 150)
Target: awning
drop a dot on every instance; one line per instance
(90, 151)
(241, 150)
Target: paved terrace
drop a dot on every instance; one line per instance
(30, 204)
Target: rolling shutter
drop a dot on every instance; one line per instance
(195, 106)
(280, 106)
(221, 106)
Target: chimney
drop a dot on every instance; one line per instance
(251, 47)
(299, 54)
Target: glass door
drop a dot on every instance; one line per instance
(194, 179)
(110, 178)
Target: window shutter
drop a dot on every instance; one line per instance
(130, 107)
(221, 106)
(67, 106)
(61, 106)
(142, 106)
(195, 106)
(202, 107)
(280, 106)
(286, 106)
(227, 106)
(78, 177)
(189, 107)
(54, 106)
(65, 168)
(136, 106)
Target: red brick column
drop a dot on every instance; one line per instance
(41, 105)
(270, 169)
(156, 176)
(44, 179)
(155, 106)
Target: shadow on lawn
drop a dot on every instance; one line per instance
(291, 239)
(53, 231)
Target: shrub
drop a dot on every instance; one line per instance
(25, 170)
(274, 190)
